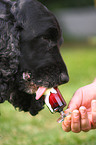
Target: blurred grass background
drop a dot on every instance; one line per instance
(19, 128)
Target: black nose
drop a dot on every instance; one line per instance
(64, 78)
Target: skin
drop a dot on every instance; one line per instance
(83, 108)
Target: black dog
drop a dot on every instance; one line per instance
(30, 38)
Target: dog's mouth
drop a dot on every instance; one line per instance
(52, 96)
(32, 88)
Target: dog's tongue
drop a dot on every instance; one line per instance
(40, 92)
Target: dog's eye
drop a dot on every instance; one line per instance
(51, 34)
(19, 28)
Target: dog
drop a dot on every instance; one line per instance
(30, 38)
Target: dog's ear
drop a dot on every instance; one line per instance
(33, 15)
(8, 11)
(5, 6)
(16, 11)
(9, 52)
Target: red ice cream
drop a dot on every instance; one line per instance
(53, 98)
(56, 101)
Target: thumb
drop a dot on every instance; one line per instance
(76, 100)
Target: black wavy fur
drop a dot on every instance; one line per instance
(29, 39)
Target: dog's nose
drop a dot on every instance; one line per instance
(64, 78)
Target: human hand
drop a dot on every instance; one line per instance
(83, 108)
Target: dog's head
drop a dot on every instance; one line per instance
(40, 62)
(40, 40)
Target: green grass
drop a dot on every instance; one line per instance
(19, 128)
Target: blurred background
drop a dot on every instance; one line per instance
(77, 19)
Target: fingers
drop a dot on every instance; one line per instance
(75, 122)
(76, 100)
(84, 121)
(93, 107)
(72, 122)
(66, 124)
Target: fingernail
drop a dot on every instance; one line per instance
(83, 112)
(67, 110)
(82, 109)
(94, 105)
(94, 102)
(67, 121)
(69, 118)
(75, 113)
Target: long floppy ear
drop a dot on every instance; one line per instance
(9, 50)
(5, 6)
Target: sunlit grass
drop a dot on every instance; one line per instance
(19, 128)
